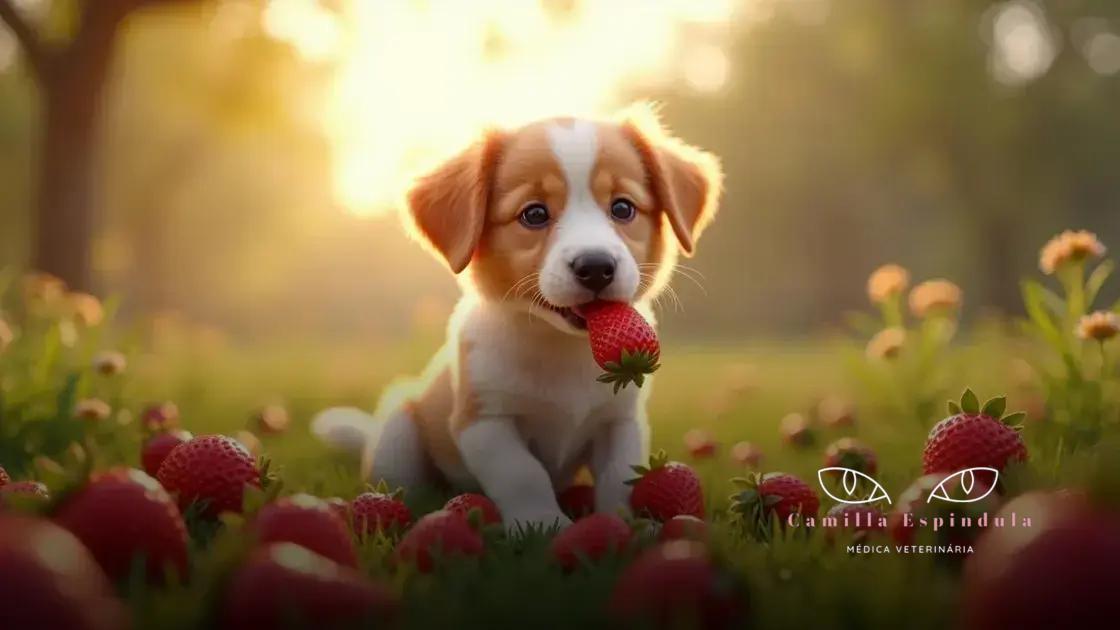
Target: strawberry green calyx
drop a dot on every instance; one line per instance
(751, 508)
(656, 460)
(970, 405)
(382, 487)
(632, 367)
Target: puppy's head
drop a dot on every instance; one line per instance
(562, 212)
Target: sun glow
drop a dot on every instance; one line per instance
(418, 79)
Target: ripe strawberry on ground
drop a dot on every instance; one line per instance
(684, 527)
(795, 430)
(211, 468)
(590, 538)
(852, 454)
(4, 478)
(1061, 575)
(768, 500)
(676, 585)
(123, 516)
(666, 489)
(380, 510)
(284, 585)
(914, 511)
(577, 501)
(622, 342)
(860, 519)
(974, 436)
(160, 416)
(308, 522)
(700, 444)
(466, 503)
(158, 447)
(25, 491)
(441, 534)
(49, 580)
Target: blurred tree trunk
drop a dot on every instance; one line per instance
(71, 79)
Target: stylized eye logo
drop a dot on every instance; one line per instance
(968, 482)
(849, 481)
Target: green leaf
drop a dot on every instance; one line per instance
(1013, 419)
(1039, 304)
(995, 407)
(1096, 281)
(954, 408)
(969, 402)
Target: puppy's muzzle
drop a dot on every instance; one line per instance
(594, 270)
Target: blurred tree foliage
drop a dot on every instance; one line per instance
(874, 131)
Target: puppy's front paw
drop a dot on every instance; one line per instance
(536, 519)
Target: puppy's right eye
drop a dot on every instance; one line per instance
(534, 216)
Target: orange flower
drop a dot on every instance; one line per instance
(886, 282)
(92, 409)
(109, 362)
(886, 344)
(1099, 326)
(934, 297)
(1067, 247)
(86, 308)
(6, 335)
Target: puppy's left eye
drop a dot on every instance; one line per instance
(623, 210)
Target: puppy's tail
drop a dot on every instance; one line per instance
(346, 428)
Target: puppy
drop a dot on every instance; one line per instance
(537, 221)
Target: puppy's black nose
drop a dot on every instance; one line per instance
(594, 270)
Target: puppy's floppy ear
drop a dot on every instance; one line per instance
(686, 181)
(448, 205)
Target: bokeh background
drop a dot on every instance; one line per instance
(235, 163)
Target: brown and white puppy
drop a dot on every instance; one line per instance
(537, 221)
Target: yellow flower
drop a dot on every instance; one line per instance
(1069, 246)
(109, 362)
(934, 296)
(887, 343)
(1099, 326)
(86, 308)
(886, 282)
(6, 335)
(92, 409)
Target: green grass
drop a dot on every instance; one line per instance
(794, 581)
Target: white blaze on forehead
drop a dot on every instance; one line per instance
(576, 147)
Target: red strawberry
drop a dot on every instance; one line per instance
(676, 585)
(591, 538)
(25, 490)
(308, 522)
(49, 580)
(622, 342)
(4, 478)
(159, 446)
(772, 498)
(1059, 573)
(160, 416)
(464, 503)
(210, 468)
(860, 519)
(700, 444)
(666, 489)
(285, 585)
(440, 534)
(577, 501)
(122, 515)
(973, 436)
(379, 510)
(914, 512)
(853, 454)
(684, 527)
